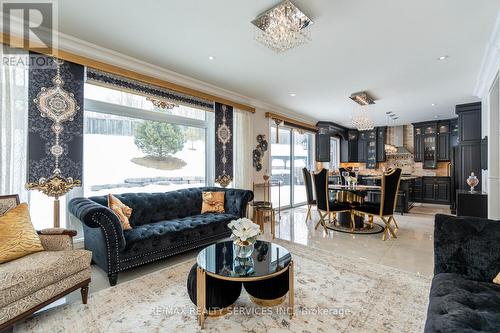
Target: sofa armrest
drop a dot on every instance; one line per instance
(236, 201)
(56, 239)
(467, 245)
(95, 215)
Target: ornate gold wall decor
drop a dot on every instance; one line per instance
(55, 186)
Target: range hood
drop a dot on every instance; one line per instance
(395, 145)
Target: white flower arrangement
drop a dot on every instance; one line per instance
(244, 230)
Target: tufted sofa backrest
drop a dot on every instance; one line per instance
(156, 207)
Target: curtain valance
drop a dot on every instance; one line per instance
(122, 83)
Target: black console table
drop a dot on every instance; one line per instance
(472, 203)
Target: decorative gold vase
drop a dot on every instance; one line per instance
(472, 181)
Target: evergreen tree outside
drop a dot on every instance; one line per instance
(159, 140)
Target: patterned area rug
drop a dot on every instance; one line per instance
(333, 294)
(366, 230)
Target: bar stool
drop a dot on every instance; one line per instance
(264, 208)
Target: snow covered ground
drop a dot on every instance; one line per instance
(108, 161)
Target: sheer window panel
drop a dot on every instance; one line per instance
(14, 126)
(243, 143)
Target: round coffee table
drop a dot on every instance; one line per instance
(267, 276)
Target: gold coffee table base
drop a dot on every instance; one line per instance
(268, 302)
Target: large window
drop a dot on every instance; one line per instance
(289, 154)
(124, 154)
(132, 146)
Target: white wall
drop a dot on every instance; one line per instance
(488, 89)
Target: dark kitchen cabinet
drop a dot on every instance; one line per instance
(454, 132)
(433, 141)
(381, 134)
(428, 187)
(417, 190)
(418, 143)
(443, 141)
(371, 149)
(469, 122)
(430, 146)
(436, 190)
(352, 138)
(362, 146)
(322, 146)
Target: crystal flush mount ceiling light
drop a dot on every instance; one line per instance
(282, 27)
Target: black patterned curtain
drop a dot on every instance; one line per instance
(223, 144)
(55, 138)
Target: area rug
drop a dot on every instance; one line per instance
(332, 294)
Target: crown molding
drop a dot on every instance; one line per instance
(74, 45)
(89, 50)
(490, 64)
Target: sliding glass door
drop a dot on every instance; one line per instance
(302, 158)
(291, 151)
(281, 150)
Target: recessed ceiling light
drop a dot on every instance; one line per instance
(444, 57)
(293, 94)
(436, 117)
(433, 104)
(211, 58)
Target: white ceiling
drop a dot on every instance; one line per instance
(388, 47)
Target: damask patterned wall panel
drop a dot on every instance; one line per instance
(223, 144)
(55, 139)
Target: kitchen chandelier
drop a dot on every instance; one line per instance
(361, 121)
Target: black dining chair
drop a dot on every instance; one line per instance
(326, 206)
(309, 192)
(385, 209)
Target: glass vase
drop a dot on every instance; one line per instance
(243, 249)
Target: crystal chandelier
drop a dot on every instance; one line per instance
(361, 121)
(282, 27)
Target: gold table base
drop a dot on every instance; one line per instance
(201, 286)
(268, 302)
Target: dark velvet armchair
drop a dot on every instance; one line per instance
(163, 224)
(463, 297)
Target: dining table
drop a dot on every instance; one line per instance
(353, 195)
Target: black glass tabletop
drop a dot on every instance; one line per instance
(267, 258)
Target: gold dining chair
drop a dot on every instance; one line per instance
(385, 209)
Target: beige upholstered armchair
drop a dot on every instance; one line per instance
(30, 283)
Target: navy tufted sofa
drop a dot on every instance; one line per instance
(463, 297)
(163, 224)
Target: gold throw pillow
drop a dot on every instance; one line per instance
(121, 210)
(213, 202)
(18, 238)
(497, 279)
